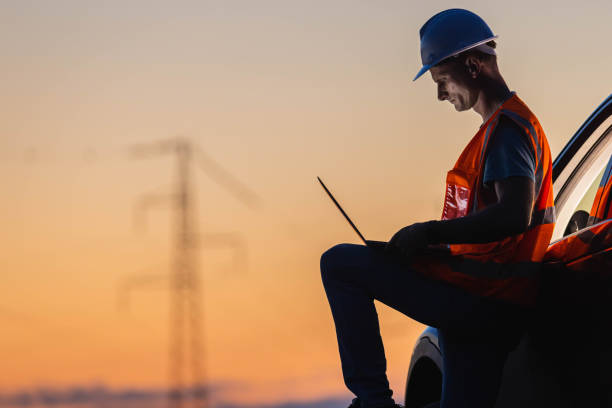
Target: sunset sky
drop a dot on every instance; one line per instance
(277, 92)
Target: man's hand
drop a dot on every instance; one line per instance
(410, 239)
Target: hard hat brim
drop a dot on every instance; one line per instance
(421, 72)
(426, 68)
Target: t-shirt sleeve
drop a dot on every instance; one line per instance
(509, 153)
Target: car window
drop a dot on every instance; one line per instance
(587, 200)
(580, 214)
(579, 169)
(603, 198)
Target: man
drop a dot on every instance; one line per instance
(473, 274)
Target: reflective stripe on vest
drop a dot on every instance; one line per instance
(506, 269)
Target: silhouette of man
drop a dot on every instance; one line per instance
(474, 274)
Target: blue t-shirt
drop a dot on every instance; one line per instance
(509, 153)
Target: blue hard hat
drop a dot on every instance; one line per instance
(450, 32)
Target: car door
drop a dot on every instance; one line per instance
(579, 258)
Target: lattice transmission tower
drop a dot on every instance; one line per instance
(186, 345)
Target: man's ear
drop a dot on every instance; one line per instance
(473, 66)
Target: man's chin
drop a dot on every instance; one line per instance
(456, 106)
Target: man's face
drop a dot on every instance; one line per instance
(454, 85)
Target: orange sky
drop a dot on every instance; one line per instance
(278, 92)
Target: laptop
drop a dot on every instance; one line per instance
(371, 244)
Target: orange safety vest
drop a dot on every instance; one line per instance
(507, 269)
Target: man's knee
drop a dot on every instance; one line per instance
(331, 260)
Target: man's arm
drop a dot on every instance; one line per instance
(509, 169)
(511, 215)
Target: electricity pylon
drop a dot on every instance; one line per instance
(186, 320)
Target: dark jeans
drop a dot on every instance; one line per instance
(476, 334)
